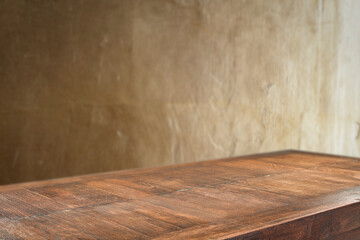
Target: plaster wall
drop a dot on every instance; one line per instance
(91, 86)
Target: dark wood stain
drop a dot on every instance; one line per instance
(285, 195)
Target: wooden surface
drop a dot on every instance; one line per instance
(285, 195)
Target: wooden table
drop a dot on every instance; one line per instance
(285, 195)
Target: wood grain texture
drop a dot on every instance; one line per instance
(284, 195)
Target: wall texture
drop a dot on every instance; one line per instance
(89, 86)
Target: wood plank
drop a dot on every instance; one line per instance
(351, 235)
(284, 195)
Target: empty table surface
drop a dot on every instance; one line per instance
(283, 195)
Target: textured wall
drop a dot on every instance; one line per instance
(89, 86)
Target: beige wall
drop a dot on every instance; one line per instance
(90, 86)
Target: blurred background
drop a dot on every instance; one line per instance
(90, 86)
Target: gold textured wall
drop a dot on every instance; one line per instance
(89, 86)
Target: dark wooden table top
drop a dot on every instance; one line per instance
(284, 195)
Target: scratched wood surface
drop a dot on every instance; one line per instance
(283, 195)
